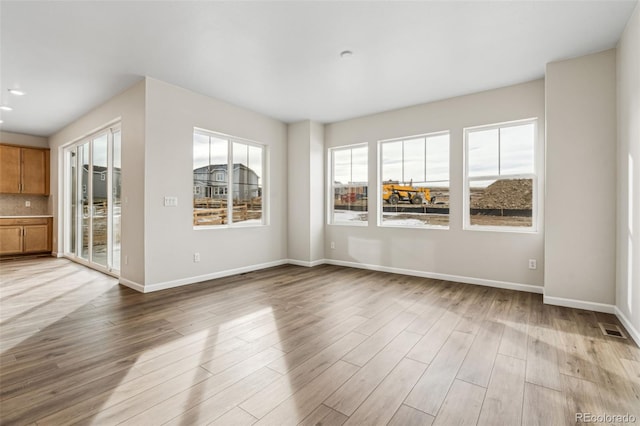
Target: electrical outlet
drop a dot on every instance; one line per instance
(533, 264)
(196, 257)
(333, 244)
(27, 203)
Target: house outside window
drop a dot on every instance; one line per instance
(349, 188)
(228, 180)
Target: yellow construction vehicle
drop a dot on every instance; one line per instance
(393, 193)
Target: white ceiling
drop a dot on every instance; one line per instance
(282, 58)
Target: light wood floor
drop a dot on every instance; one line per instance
(288, 345)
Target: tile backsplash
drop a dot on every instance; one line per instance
(14, 205)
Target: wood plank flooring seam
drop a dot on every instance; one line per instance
(350, 363)
(378, 385)
(413, 408)
(471, 383)
(473, 354)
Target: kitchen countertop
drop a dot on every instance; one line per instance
(26, 216)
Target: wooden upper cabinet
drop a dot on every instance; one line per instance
(24, 170)
(10, 169)
(35, 171)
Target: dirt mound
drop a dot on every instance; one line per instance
(504, 194)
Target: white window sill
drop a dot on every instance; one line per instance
(509, 229)
(438, 227)
(234, 226)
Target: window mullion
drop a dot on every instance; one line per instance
(336, 190)
(350, 169)
(402, 162)
(425, 160)
(110, 199)
(229, 182)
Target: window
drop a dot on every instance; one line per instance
(349, 185)
(415, 181)
(500, 179)
(222, 197)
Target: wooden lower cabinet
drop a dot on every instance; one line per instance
(28, 235)
(36, 239)
(10, 239)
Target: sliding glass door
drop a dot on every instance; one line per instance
(92, 204)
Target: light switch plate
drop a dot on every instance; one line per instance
(170, 201)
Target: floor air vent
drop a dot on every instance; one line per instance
(612, 330)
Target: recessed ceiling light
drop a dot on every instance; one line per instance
(17, 92)
(346, 54)
(6, 108)
(1, 121)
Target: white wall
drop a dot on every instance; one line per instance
(298, 184)
(581, 182)
(472, 256)
(628, 229)
(305, 159)
(129, 108)
(24, 140)
(316, 190)
(170, 240)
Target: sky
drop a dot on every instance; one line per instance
(501, 151)
(100, 151)
(419, 160)
(423, 160)
(250, 156)
(350, 165)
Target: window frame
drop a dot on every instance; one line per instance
(331, 181)
(228, 188)
(380, 203)
(534, 176)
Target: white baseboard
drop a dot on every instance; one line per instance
(56, 254)
(306, 263)
(579, 304)
(557, 301)
(446, 277)
(131, 284)
(635, 335)
(221, 274)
